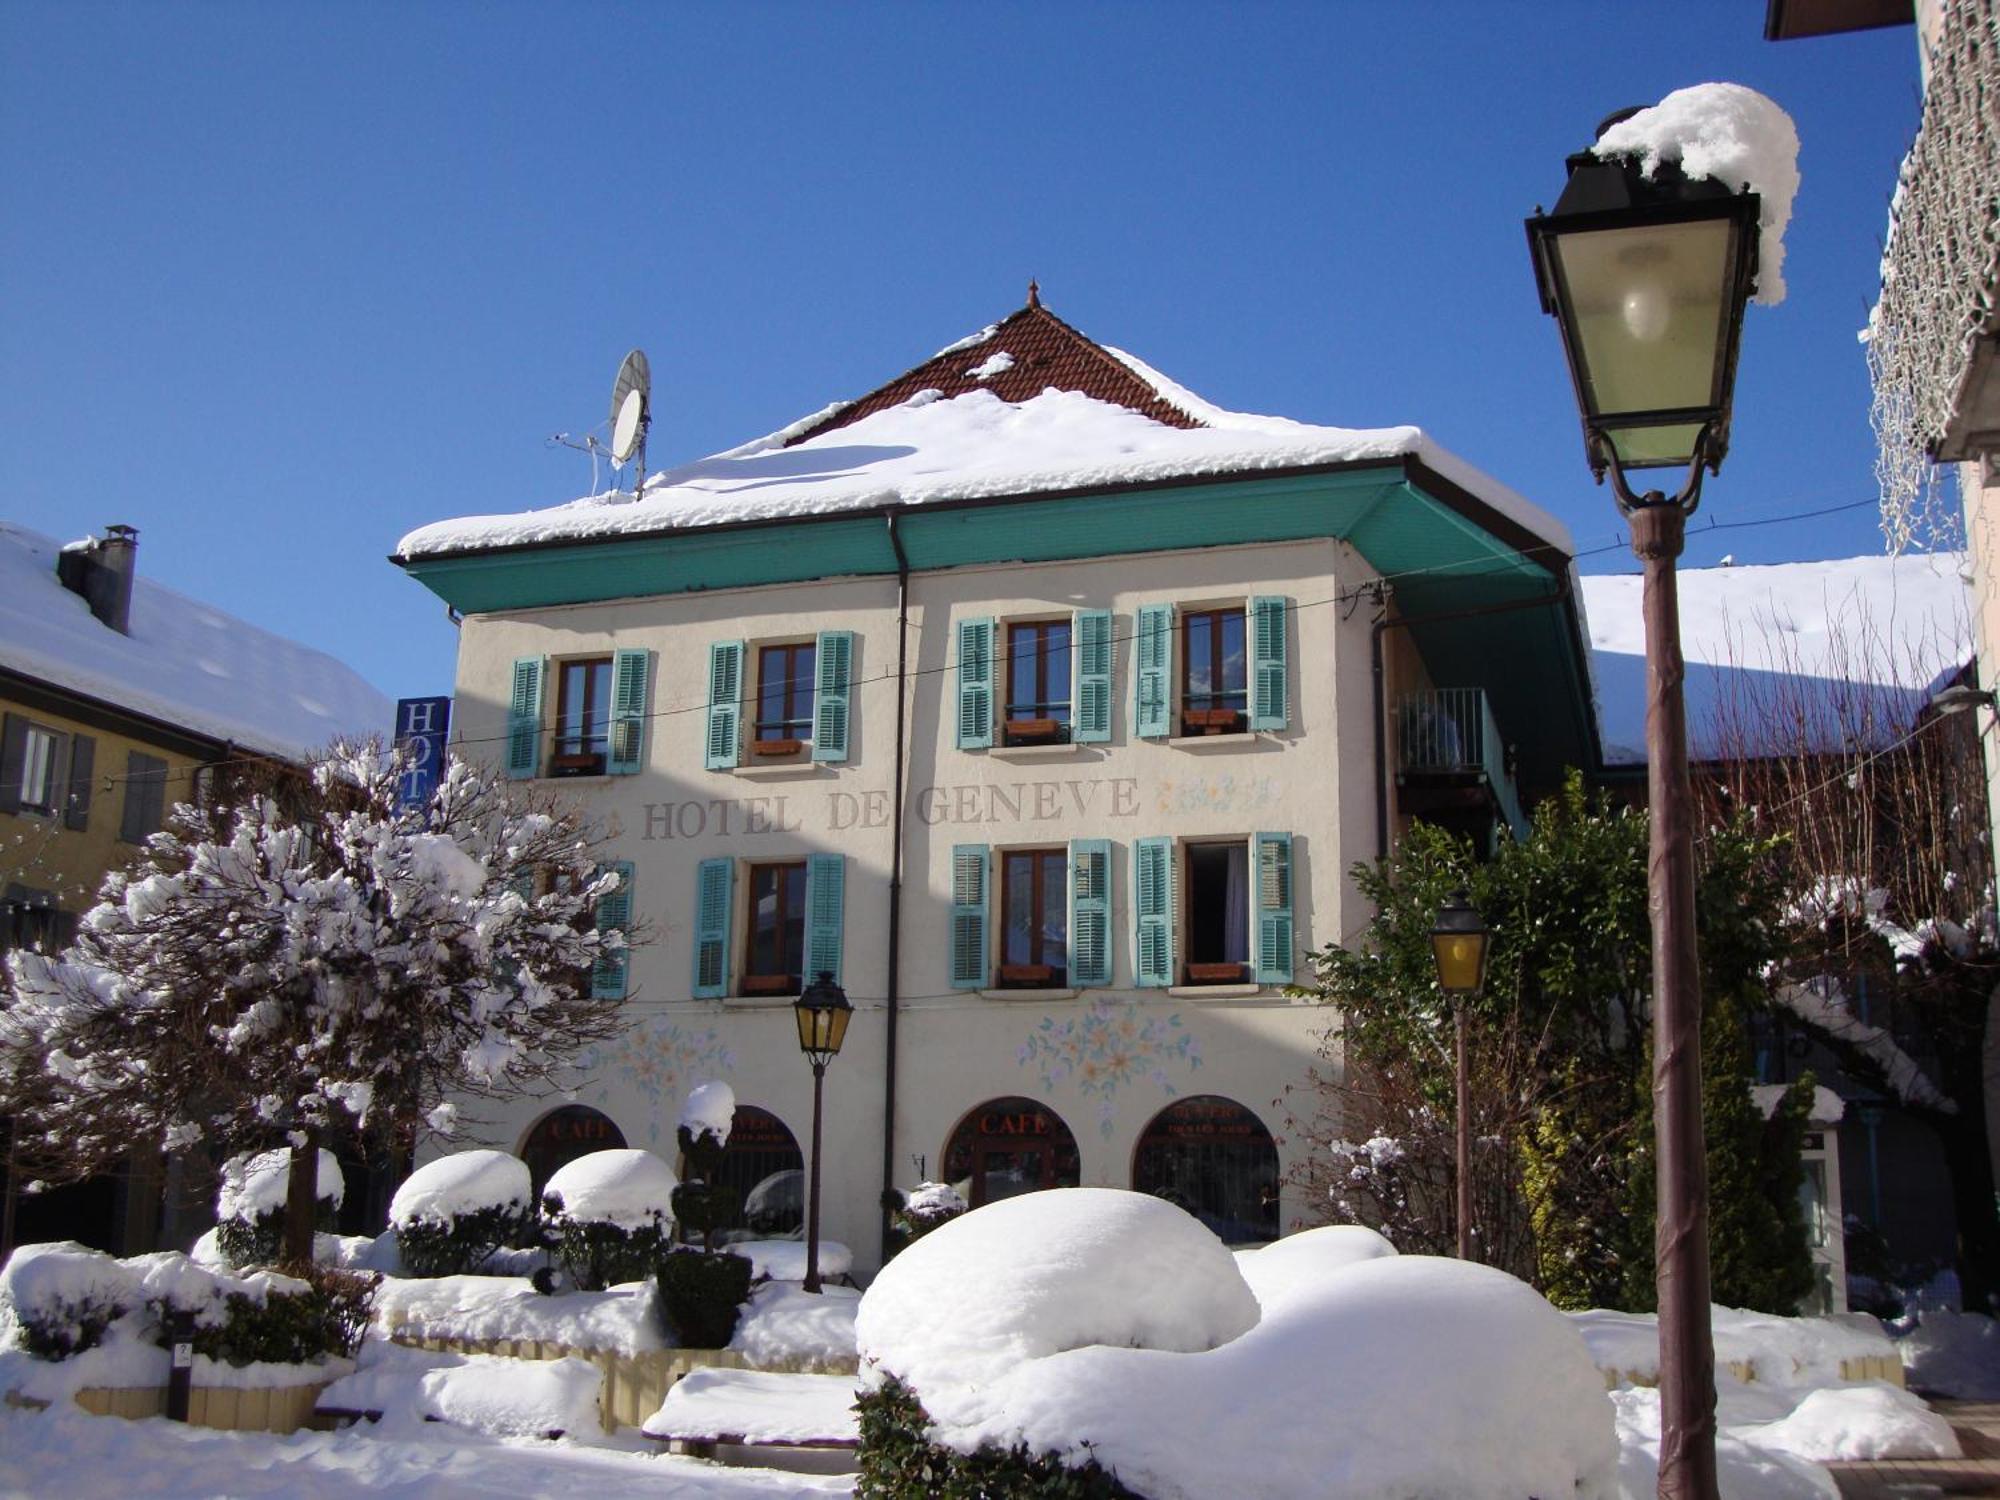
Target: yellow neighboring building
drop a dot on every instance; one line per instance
(118, 698)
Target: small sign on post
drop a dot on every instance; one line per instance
(421, 727)
(180, 1372)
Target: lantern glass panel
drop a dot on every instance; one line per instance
(1461, 960)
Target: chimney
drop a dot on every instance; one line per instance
(101, 570)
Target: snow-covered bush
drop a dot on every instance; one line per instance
(608, 1215)
(250, 1204)
(450, 1214)
(701, 1291)
(60, 1297)
(924, 1208)
(701, 1296)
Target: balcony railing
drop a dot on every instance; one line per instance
(1450, 732)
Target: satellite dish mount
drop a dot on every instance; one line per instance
(632, 414)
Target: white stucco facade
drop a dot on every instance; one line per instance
(1104, 1059)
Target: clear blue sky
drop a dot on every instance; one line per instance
(284, 281)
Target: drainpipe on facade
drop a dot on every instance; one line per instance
(892, 997)
(1380, 628)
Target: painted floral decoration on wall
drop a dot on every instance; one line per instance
(659, 1061)
(1107, 1049)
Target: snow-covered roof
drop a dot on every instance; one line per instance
(185, 663)
(1035, 426)
(1845, 651)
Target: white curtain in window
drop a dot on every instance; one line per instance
(1236, 906)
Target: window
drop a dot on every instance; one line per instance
(561, 1136)
(145, 807)
(30, 919)
(1214, 1158)
(583, 716)
(45, 770)
(774, 960)
(1009, 1146)
(1034, 918)
(1037, 710)
(1214, 912)
(1214, 672)
(785, 677)
(40, 766)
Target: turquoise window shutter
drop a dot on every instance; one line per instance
(524, 719)
(725, 703)
(611, 971)
(1274, 908)
(975, 684)
(1153, 672)
(1153, 911)
(629, 673)
(1269, 703)
(826, 877)
(833, 660)
(1090, 717)
(1089, 912)
(969, 870)
(714, 879)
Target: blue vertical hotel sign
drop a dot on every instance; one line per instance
(421, 725)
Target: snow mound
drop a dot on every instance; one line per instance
(253, 1186)
(931, 1198)
(1954, 1354)
(505, 1397)
(1775, 1351)
(1742, 1471)
(39, 1280)
(757, 1407)
(1033, 1275)
(1857, 1422)
(1735, 136)
(1298, 1262)
(711, 1107)
(462, 1183)
(784, 1327)
(1388, 1378)
(623, 1320)
(630, 1188)
(785, 1260)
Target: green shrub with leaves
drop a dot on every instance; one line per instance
(899, 1462)
(460, 1244)
(326, 1315)
(66, 1326)
(927, 1206)
(597, 1255)
(701, 1296)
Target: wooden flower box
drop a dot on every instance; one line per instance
(1212, 720)
(775, 749)
(1033, 731)
(588, 763)
(1215, 973)
(770, 984)
(1026, 975)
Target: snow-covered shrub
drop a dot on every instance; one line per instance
(294, 1321)
(702, 1292)
(608, 1216)
(701, 1296)
(898, 1461)
(61, 1296)
(250, 1204)
(450, 1214)
(924, 1208)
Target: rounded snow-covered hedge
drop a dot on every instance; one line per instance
(609, 1215)
(450, 1214)
(250, 1203)
(1304, 1260)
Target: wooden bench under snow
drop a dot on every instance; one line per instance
(758, 1408)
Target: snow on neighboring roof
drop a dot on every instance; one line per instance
(1819, 652)
(1737, 137)
(185, 662)
(972, 446)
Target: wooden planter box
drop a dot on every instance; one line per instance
(1212, 721)
(576, 765)
(770, 984)
(284, 1408)
(1027, 976)
(1215, 973)
(775, 749)
(1032, 731)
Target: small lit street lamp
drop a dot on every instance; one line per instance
(1647, 279)
(823, 1014)
(1458, 942)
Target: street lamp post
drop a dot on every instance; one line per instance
(1458, 943)
(822, 1013)
(1647, 279)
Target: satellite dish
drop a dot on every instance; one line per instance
(631, 407)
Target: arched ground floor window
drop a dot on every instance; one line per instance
(562, 1135)
(762, 1161)
(1216, 1160)
(1008, 1146)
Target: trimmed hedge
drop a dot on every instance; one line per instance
(460, 1244)
(899, 1462)
(701, 1296)
(290, 1328)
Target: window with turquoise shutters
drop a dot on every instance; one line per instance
(609, 974)
(969, 871)
(826, 878)
(630, 671)
(714, 879)
(1089, 912)
(1273, 901)
(1091, 722)
(1153, 672)
(1153, 911)
(725, 703)
(524, 718)
(1269, 702)
(835, 666)
(975, 684)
